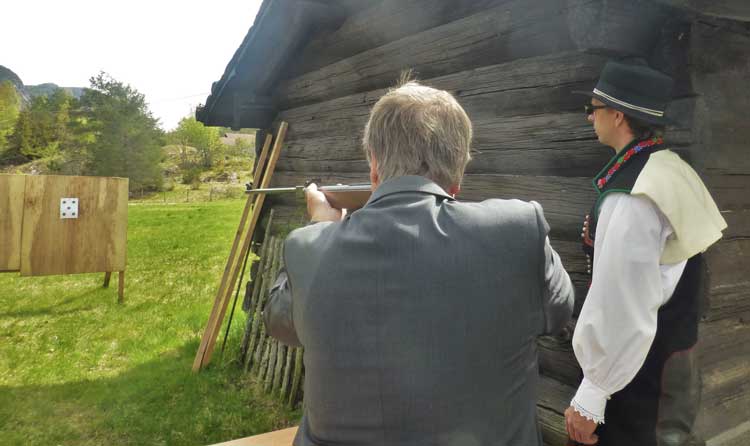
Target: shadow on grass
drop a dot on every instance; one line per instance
(54, 309)
(160, 402)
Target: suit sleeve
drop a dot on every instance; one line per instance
(278, 315)
(558, 294)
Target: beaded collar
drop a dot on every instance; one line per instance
(601, 181)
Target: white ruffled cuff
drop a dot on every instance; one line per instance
(590, 401)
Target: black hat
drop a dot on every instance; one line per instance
(635, 90)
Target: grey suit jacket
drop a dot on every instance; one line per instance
(419, 317)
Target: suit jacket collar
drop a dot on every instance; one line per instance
(407, 183)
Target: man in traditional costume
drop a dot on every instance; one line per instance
(643, 238)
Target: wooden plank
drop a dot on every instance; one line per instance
(514, 30)
(729, 9)
(560, 144)
(11, 221)
(729, 191)
(729, 282)
(286, 379)
(296, 377)
(93, 242)
(530, 86)
(554, 398)
(257, 210)
(557, 361)
(232, 263)
(283, 437)
(255, 320)
(384, 22)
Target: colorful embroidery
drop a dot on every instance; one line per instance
(601, 182)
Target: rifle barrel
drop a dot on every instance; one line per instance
(339, 196)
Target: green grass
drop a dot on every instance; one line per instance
(76, 368)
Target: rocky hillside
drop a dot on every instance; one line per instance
(29, 91)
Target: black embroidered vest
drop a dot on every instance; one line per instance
(658, 406)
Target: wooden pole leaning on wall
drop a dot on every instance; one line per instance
(242, 241)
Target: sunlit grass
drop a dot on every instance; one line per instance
(76, 368)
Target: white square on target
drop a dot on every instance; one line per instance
(69, 208)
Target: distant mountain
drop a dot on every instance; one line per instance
(49, 88)
(6, 74)
(31, 91)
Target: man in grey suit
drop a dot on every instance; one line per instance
(419, 314)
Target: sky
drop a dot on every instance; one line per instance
(169, 50)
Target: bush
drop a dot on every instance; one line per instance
(191, 176)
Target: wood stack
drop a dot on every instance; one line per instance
(276, 367)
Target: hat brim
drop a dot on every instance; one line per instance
(651, 119)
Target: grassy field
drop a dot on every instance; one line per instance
(76, 368)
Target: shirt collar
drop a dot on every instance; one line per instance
(407, 183)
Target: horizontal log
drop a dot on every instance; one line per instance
(723, 339)
(382, 23)
(729, 283)
(729, 191)
(548, 144)
(738, 224)
(726, 406)
(554, 398)
(514, 30)
(728, 9)
(719, 67)
(526, 121)
(557, 361)
(521, 87)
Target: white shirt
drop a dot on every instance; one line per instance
(617, 324)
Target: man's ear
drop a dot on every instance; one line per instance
(619, 118)
(374, 177)
(454, 190)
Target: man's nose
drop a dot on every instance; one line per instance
(590, 118)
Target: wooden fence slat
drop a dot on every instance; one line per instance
(280, 360)
(249, 335)
(267, 280)
(296, 377)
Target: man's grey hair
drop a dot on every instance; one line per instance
(418, 130)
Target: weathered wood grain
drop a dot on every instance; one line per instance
(382, 23)
(729, 282)
(724, 353)
(94, 242)
(720, 61)
(520, 87)
(253, 317)
(557, 361)
(548, 144)
(730, 9)
(11, 219)
(554, 398)
(296, 378)
(514, 30)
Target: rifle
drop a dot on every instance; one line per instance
(341, 196)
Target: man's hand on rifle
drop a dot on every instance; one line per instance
(318, 207)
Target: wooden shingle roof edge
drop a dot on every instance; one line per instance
(243, 98)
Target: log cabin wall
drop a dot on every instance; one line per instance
(512, 65)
